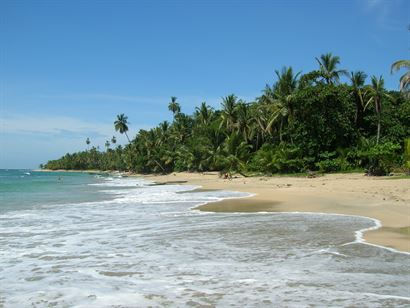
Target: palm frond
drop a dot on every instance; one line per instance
(400, 64)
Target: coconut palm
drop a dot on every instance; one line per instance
(280, 98)
(245, 121)
(113, 140)
(328, 68)
(357, 80)
(377, 93)
(214, 154)
(309, 79)
(287, 81)
(228, 116)
(404, 79)
(182, 127)
(204, 114)
(173, 106)
(263, 121)
(163, 126)
(121, 125)
(286, 87)
(272, 118)
(235, 152)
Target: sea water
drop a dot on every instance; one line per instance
(83, 240)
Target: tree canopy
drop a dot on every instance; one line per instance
(301, 122)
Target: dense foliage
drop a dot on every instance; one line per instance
(300, 123)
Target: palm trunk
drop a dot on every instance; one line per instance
(127, 137)
(378, 133)
(356, 114)
(378, 129)
(378, 109)
(159, 165)
(280, 129)
(359, 112)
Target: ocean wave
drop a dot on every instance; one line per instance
(147, 246)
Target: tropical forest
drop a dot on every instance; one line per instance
(301, 123)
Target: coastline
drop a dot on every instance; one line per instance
(383, 198)
(77, 171)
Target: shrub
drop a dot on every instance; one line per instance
(407, 154)
(381, 158)
(280, 159)
(333, 165)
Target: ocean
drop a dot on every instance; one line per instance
(89, 240)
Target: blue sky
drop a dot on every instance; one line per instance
(67, 68)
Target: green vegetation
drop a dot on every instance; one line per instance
(121, 125)
(301, 123)
(404, 79)
(407, 154)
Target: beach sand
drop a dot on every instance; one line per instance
(382, 198)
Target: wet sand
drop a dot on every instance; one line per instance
(382, 198)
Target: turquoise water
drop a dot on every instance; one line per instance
(25, 189)
(82, 240)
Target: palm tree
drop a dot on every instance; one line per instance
(405, 79)
(328, 68)
(164, 126)
(287, 81)
(264, 121)
(377, 93)
(228, 116)
(182, 127)
(286, 87)
(280, 98)
(245, 121)
(204, 114)
(358, 79)
(235, 152)
(113, 140)
(309, 79)
(214, 153)
(173, 106)
(271, 115)
(121, 125)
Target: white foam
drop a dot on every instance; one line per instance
(157, 195)
(147, 247)
(358, 234)
(168, 191)
(122, 182)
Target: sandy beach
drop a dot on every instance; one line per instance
(383, 198)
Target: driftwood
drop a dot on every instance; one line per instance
(312, 174)
(167, 183)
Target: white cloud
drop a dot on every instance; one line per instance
(60, 127)
(185, 100)
(39, 124)
(27, 140)
(108, 97)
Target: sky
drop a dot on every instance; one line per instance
(67, 68)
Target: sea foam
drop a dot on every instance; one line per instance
(144, 246)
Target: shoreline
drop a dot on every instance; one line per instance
(382, 199)
(73, 170)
